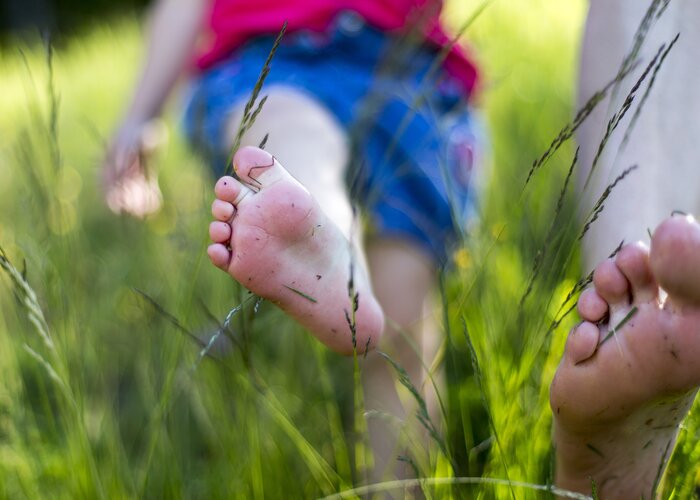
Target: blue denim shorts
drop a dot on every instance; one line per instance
(414, 138)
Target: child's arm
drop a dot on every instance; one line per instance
(173, 31)
(172, 34)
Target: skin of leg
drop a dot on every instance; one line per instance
(618, 399)
(297, 124)
(403, 277)
(664, 142)
(401, 274)
(663, 146)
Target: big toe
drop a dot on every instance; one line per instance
(675, 259)
(219, 255)
(257, 168)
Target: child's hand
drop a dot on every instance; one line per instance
(129, 187)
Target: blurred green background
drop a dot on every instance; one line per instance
(120, 406)
(63, 18)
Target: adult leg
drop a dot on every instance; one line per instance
(621, 433)
(664, 142)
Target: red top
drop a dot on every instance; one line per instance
(233, 22)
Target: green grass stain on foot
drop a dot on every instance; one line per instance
(622, 323)
(299, 292)
(595, 450)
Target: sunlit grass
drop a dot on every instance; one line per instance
(156, 426)
(276, 420)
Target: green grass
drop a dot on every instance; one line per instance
(118, 404)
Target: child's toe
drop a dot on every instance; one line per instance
(633, 261)
(220, 232)
(219, 255)
(222, 210)
(257, 167)
(591, 306)
(611, 284)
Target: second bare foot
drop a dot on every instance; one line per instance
(631, 369)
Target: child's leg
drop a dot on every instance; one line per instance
(403, 278)
(312, 147)
(290, 243)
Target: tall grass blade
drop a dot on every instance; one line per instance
(249, 118)
(323, 473)
(28, 299)
(422, 411)
(654, 11)
(540, 256)
(227, 323)
(179, 326)
(567, 132)
(647, 92)
(485, 401)
(617, 117)
(51, 372)
(600, 204)
(578, 287)
(54, 103)
(435, 481)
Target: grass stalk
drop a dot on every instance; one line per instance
(436, 481)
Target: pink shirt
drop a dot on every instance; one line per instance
(233, 22)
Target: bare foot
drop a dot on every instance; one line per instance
(272, 237)
(618, 398)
